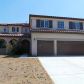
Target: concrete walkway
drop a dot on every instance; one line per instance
(64, 70)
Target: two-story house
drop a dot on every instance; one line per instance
(10, 33)
(51, 35)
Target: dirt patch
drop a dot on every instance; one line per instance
(22, 71)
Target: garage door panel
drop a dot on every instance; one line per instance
(45, 48)
(70, 47)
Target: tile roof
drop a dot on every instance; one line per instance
(11, 35)
(57, 31)
(56, 17)
(14, 24)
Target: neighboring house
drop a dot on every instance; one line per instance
(11, 33)
(52, 35)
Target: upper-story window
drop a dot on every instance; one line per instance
(25, 30)
(5, 30)
(15, 29)
(60, 24)
(76, 25)
(44, 23)
(47, 23)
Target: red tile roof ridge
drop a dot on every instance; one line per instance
(50, 30)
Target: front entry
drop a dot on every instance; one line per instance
(25, 44)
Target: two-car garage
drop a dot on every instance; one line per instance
(57, 44)
(46, 48)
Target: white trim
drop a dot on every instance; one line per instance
(59, 39)
(55, 47)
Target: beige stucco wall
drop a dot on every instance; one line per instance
(66, 22)
(1, 28)
(54, 37)
(10, 29)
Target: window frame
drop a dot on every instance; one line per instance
(60, 25)
(46, 23)
(76, 25)
(13, 29)
(17, 29)
(43, 23)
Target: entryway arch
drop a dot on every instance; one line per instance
(2, 46)
(25, 44)
(13, 42)
(2, 43)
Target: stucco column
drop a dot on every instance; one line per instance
(55, 47)
(34, 47)
(7, 46)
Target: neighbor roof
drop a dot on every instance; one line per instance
(11, 35)
(14, 24)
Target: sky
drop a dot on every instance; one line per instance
(17, 11)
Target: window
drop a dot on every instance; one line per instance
(13, 29)
(72, 25)
(37, 23)
(25, 30)
(41, 23)
(44, 23)
(60, 25)
(50, 24)
(4, 29)
(76, 25)
(81, 26)
(17, 29)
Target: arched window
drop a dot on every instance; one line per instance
(2, 43)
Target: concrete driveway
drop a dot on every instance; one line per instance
(64, 70)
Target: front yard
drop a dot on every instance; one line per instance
(22, 71)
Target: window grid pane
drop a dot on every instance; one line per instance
(77, 24)
(61, 25)
(42, 23)
(13, 29)
(17, 29)
(50, 24)
(47, 24)
(37, 23)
